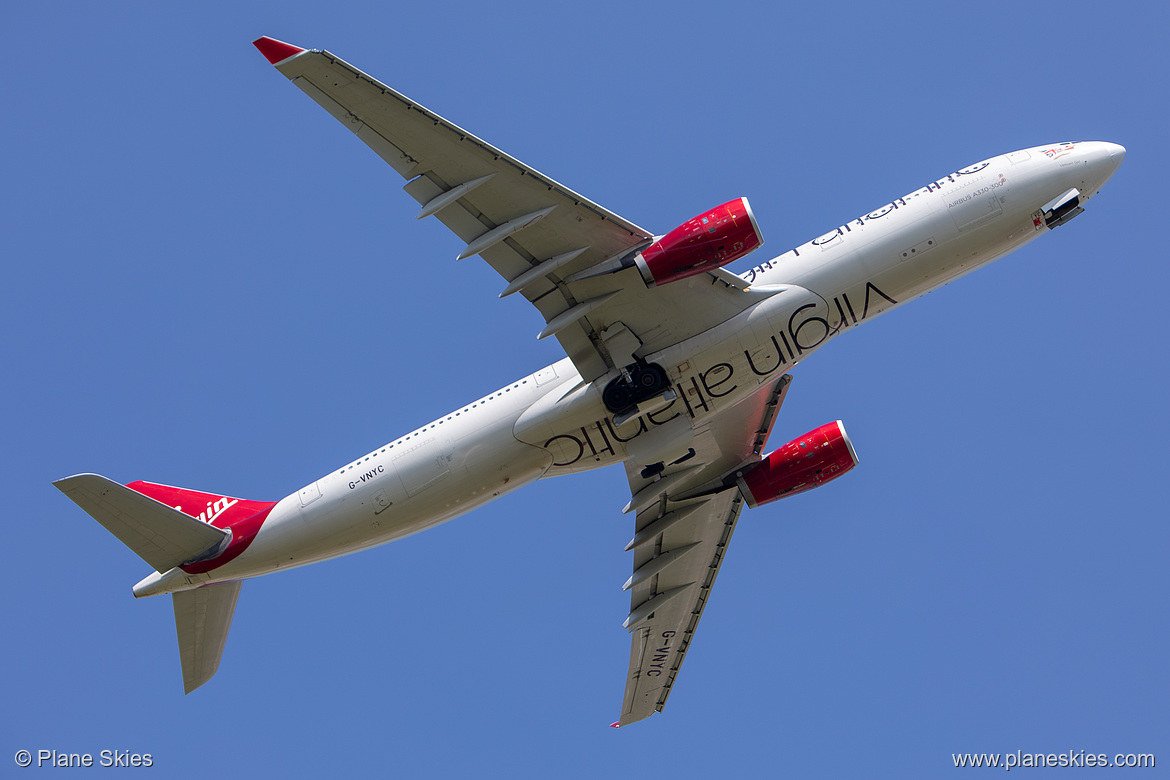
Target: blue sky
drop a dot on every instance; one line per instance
(209, 283)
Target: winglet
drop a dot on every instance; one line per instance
(617, 724)
(276, 51)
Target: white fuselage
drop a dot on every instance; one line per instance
(551, 423)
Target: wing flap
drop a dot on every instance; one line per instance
(160, 535)
(202, 619)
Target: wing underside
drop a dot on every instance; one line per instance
(685, 519)
(541, 236)
(667, 612)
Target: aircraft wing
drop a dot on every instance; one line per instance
(536, 233)
(685, 519)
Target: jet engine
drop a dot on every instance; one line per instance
(806, 462)
(711, 240)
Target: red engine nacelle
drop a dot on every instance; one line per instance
(807, 462)
(711, 240)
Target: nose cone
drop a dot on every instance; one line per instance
(1103, 161)
(1116, 155)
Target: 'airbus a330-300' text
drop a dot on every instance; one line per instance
(676, 368)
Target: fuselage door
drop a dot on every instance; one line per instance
(546, 374)
(309, 494)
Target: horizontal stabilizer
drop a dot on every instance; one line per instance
(202, 619)
(160, 535)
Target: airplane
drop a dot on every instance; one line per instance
(675, 368)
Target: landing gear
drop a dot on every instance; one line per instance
(649, 379)
(617, 395)
(637, 383)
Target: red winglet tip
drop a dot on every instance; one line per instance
(276, 51)
(617, 724)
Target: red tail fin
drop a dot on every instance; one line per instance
(242, 516)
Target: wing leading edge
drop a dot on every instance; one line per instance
(665, 615)
(541, 236)
(685, 519)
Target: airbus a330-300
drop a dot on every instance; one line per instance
(676, 369)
